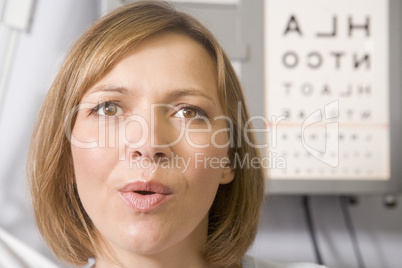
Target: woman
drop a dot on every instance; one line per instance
(133, 158)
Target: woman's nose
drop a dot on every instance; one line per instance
(147, 137)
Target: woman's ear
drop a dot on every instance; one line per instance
(228, 173)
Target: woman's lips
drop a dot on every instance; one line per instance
(145, 196)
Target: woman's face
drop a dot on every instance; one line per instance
(148, 149)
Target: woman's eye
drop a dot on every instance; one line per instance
(108, 109)
(190, 112)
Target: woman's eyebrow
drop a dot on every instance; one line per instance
(174, 94)
(178, 93)
(119, 89)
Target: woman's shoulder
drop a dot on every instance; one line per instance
(251, 262)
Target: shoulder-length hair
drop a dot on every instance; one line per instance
(59, 214)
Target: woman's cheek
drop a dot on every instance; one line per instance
(92, 161)
(214, 135)
(92, 169)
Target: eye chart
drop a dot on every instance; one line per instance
(327, 89)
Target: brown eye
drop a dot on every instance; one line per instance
(189, 113)
(110, 109)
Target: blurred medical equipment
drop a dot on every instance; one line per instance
(16, 17)
(15, 254)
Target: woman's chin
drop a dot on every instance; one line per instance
(144, 248)
(144, 242)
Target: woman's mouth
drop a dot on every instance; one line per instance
(145, 196)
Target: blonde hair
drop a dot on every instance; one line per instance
(59, 214)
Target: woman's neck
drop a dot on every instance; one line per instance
(186, 253)
(154, 261)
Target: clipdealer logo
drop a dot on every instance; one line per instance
(330, 154)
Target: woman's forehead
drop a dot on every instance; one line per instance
(166, 61)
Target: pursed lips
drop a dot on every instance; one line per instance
(145, 196)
